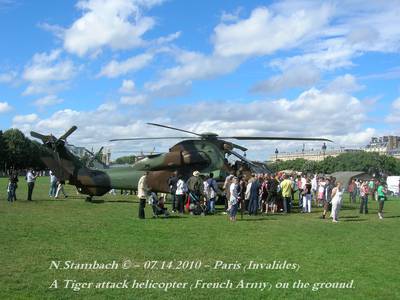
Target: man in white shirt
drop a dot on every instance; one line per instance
(53, 184)
(30, 178)
(143, 191)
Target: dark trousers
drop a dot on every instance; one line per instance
(174, 204)
(11, 194)
(287, 203)
(31, 185)
(353, 196)
(142, 205)
(181, 203)
(364, 204)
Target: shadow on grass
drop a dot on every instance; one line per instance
(352, 220)
(255, 219)
(121, 201)
(166, 218)
(391, 217)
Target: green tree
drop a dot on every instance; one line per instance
(17, 149)
(368, 162)
(3, 152)
(126, 160)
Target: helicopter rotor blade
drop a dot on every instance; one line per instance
(39, 136)
(68, 133)
(173, 128)
(272, 138)
(153, 138)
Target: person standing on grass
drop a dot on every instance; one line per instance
(10, 190)
(14, 181)
(254, 196)
(286, 188)
(234, 198)
(211, 190)
(381, 191)
(307, 196)
(172, 181)
(143, 191)
(337, 200)
(181, 190)
(321, 192)
(30, 178)
(353, 191)
(53, 185)
(364, 190)
(327, 196)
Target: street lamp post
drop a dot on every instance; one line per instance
(323, 150)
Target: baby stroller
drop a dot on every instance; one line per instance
(195, 206)
(158, 206)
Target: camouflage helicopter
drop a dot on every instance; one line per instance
(206, 152)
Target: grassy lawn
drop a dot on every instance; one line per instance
(360, 248)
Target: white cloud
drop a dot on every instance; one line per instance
(8, 77)
(117, 24)
(47, 73)
(300, 76)
(357, 28)
(127, 87)
(192, 66)
(134, 99)
(20, 119)
(167, 39)
(48, 101)
(326, 58)
(115, 68)
(394, 116)
(346, 83)
(57, 30)
(314, 113)
(265, 32)
(5, 107)
(231, 16)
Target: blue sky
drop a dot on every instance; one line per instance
(297, 68)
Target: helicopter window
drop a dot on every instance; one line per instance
(233, 160)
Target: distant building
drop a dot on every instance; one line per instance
(389, 145)
(384, 145)
(315, 155)
(106, 156)
(81, 152)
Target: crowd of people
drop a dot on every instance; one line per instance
(56, 185)
(266, 194)
(255, 194)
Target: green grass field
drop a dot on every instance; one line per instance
(360, 248)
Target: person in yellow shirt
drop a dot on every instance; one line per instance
(286, 189)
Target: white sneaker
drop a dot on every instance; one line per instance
(335, 221)
(380, 216)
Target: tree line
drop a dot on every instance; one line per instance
(18, 152)
(369, 162)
